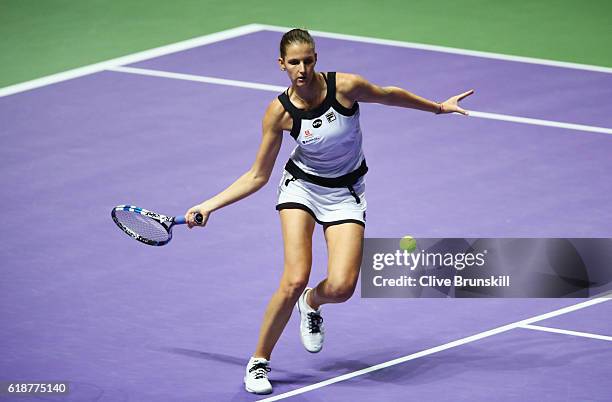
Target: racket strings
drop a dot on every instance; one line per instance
(143, 226)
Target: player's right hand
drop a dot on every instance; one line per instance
(191, 213)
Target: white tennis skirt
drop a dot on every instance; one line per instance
(328, 206)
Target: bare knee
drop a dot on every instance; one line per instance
(339, 291)
(292, 286)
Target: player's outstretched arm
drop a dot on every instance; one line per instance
(256, 177)
(357, 88)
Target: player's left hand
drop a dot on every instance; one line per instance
(451, 105)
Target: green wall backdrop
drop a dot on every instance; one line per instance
(41, 37)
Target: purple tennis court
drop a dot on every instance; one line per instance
(82, 303)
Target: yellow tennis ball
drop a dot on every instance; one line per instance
(408, 244)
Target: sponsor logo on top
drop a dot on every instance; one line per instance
(310, 137)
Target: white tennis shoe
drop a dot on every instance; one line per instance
(312, 331)
(256, 376)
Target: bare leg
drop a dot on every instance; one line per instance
(297, 226)
(345, 249)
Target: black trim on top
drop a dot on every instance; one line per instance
(293, 112)
(331, 87)
(321, 108)
(297, 205)
(330, 101)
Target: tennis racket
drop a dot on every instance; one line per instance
(145, 226)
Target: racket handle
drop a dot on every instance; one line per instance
(180, 220)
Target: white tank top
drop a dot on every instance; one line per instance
(328, 137)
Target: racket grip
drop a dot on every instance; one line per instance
(180, 220)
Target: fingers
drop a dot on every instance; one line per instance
(452, 107)
(463, 111)
(190, 217)
(457, 109)
(454, 102)
(465, 94)
(191, 214)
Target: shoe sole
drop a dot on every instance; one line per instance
(255, 392)
(312, 351)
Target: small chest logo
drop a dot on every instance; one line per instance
(317, 123)
(310, 137)
(331, 116)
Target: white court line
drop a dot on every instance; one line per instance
(128, 59)
(441, 348)
(251, 28)
(198, 78)
(444, 49)
(277, 89)
(540, 122)
(567, 332)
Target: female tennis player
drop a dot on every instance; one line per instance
(323, 183)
